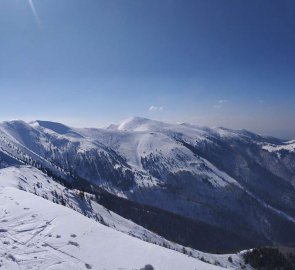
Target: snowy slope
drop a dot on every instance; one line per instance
(219, 176)
(31, 180)
(37, 234)
(287, 146)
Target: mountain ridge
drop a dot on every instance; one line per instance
(236, 180)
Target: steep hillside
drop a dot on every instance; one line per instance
(37, 234)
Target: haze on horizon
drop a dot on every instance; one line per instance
(207, 62)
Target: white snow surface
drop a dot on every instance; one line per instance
(31, 180)
(287, 146)
(38, 234)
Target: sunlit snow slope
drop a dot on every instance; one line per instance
(38, 234)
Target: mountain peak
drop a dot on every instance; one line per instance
(139, 124)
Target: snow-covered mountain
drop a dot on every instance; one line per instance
(38, 234)
(237, 181)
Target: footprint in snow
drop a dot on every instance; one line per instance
(73, 243)
(11, 257)
(148, 267)
(88, 266)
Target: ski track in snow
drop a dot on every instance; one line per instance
(24, 241)
(37, 234)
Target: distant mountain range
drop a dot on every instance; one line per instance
(235, 184)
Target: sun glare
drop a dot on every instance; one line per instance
(36, 16)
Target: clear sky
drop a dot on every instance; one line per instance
(92, 62)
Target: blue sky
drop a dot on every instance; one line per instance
(209, 62)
